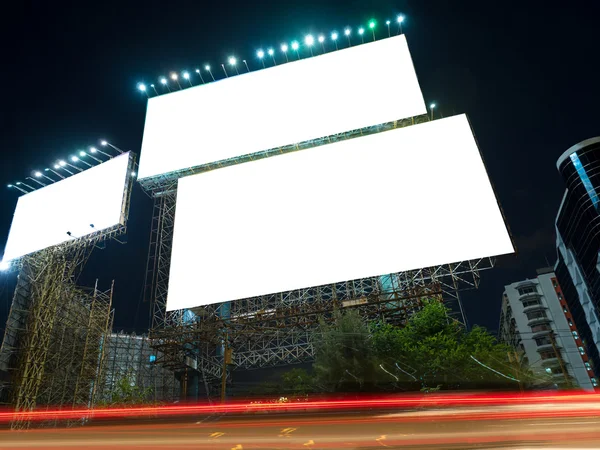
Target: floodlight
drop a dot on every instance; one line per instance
(260, 54)
(361, 31)
(321, 39)
(133, 174)
(432, 105)
(400, 19)
(186, 75)
(197, 70)
(93, 150)
(371, 24)
(309, 40)
(74, 158)
(232, 61)
(103, 143)
(9, 185)
(4, 265)
(163, 80)
(142, 87)
(207, 68)
(347, 31)
(387, 22)
(18, 183)
(284, 48)
(38, 174)
(271, 52)
(82, 153)
(174, 76)
(334, 36)
(56, 166)
(295, 45)
(62, 163)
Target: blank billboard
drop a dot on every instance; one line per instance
(290, 103)
(393, 201)
(43, 217)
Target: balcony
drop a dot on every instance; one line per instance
(544, 347)
(538, 321)
(533, 308)
(529, 295)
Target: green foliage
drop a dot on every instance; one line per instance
(127, 392)
(297, 382)
(344, 355)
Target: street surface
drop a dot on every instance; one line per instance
(564, 425)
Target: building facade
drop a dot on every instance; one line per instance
(578, 241)
(536, 320)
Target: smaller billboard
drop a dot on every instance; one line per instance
(85, 203)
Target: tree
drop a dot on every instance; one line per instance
(127, 392)
(437, 351)
(344, 354)
(297, 381)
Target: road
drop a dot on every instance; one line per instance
(552, 426)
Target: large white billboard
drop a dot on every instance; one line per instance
(393, 201)
(290, 103)
(90, 201)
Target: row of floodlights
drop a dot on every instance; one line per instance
(309, 41)
(70, 168)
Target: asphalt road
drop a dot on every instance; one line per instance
(511, 427)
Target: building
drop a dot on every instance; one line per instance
(536, 320)
(578, 241)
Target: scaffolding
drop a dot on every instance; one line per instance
(276, 329)
(131, 358)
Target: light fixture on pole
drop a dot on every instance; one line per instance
(36, 181)
(295, 47)
(432, 107)
(388, 22)
(207, 68)
(246, 64)
(40, 174)
(372, 27)
(164, 82)
(154, 87)
(104, 143)
(271, 53)
(83, 154)
(175, 78)
(142, 87)
(224, 70)
(284, 49)
(321, 40)
(400, 19)
(261, 55)
(95, 150)
(76, 159)
(361, 32)
(334, 38)
(347, 32)
(233, 62)
(54, 172)
(309, 40)
(63, 165)
(186, 75)
(12, 186)
(200, 75)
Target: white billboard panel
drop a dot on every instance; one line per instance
(393, 201)
(43, 217)
(290, 103)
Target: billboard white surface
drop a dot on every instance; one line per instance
(393, 201)
(290, 103)
(43, 217)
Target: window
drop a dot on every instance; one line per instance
(554, 282)
(559, 295)
(575, 335)
(527, 290)
(536, 315)
(594, 382)
(570, 323)
(532, 302)
(565, 309)
(544, 340)
(587, 365)
(547, 354)
(538, 328)
(581, 350)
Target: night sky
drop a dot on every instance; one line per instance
(526, 73)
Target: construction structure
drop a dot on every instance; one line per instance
(129, 358)
(53, 349)
(203, 344)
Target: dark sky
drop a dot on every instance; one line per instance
(525, 72)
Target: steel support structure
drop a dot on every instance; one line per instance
(276, 329)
